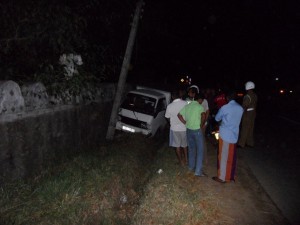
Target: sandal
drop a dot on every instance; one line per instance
(218, 180)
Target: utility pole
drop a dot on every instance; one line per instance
(124, 70)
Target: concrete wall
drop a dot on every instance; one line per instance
(35, 131)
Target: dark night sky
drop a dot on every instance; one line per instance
(225, 41)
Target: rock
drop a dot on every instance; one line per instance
(11, 99)
(35, 95)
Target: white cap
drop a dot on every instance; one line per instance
(249, 85)
(195, 86)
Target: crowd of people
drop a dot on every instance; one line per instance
(194, 114)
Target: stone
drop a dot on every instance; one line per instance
(35, 95)
(11, 99)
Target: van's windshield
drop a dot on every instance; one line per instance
(139, 103)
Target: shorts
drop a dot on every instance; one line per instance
(178, 139)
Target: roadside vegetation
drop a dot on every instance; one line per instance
(95, 187)
(66, 45)
(176, 196)
(134, 180)
(118, 183)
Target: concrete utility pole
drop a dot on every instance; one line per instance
(123, 75)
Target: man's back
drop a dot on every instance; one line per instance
(192, 114)
(172, 111)
(231, 115)
(250, 100)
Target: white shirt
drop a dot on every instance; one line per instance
(205, 105)
(206, 108)
(172, 111)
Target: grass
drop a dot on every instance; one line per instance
(84, 190)
(117, 184)
(176, 196)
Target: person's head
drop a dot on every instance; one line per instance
(231, 95)
(193, 91)
(175, 94)
(249, 85)
(200, 97)
(182, 93)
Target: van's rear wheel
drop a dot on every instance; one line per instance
(160, 133)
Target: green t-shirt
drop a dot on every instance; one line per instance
(192, 115)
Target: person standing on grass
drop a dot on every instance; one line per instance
(191, 92)
(193, 116)
(230, 116)
(177, 137)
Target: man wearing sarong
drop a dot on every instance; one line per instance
(230, 116)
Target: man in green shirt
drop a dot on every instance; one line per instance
(193, 116)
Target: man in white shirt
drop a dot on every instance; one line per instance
(177, 136)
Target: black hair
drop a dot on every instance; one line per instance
(231, 95)
(175, 94)
(201, 96)
(194, 90)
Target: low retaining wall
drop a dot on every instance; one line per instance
(33, 137)
(31, 143)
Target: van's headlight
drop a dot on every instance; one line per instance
(144, 125)
(128, 129)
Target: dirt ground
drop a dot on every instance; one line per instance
(241, 203)
(245, 201)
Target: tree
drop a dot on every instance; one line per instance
(34, 33)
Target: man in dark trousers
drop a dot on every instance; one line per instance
(249, 105)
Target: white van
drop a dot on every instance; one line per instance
(143, 111)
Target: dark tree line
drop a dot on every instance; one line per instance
(35, 33)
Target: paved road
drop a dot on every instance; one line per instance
(275, 163)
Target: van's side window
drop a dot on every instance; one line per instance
(161, 105)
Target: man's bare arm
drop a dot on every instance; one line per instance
(203, 119)
(180, 117)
